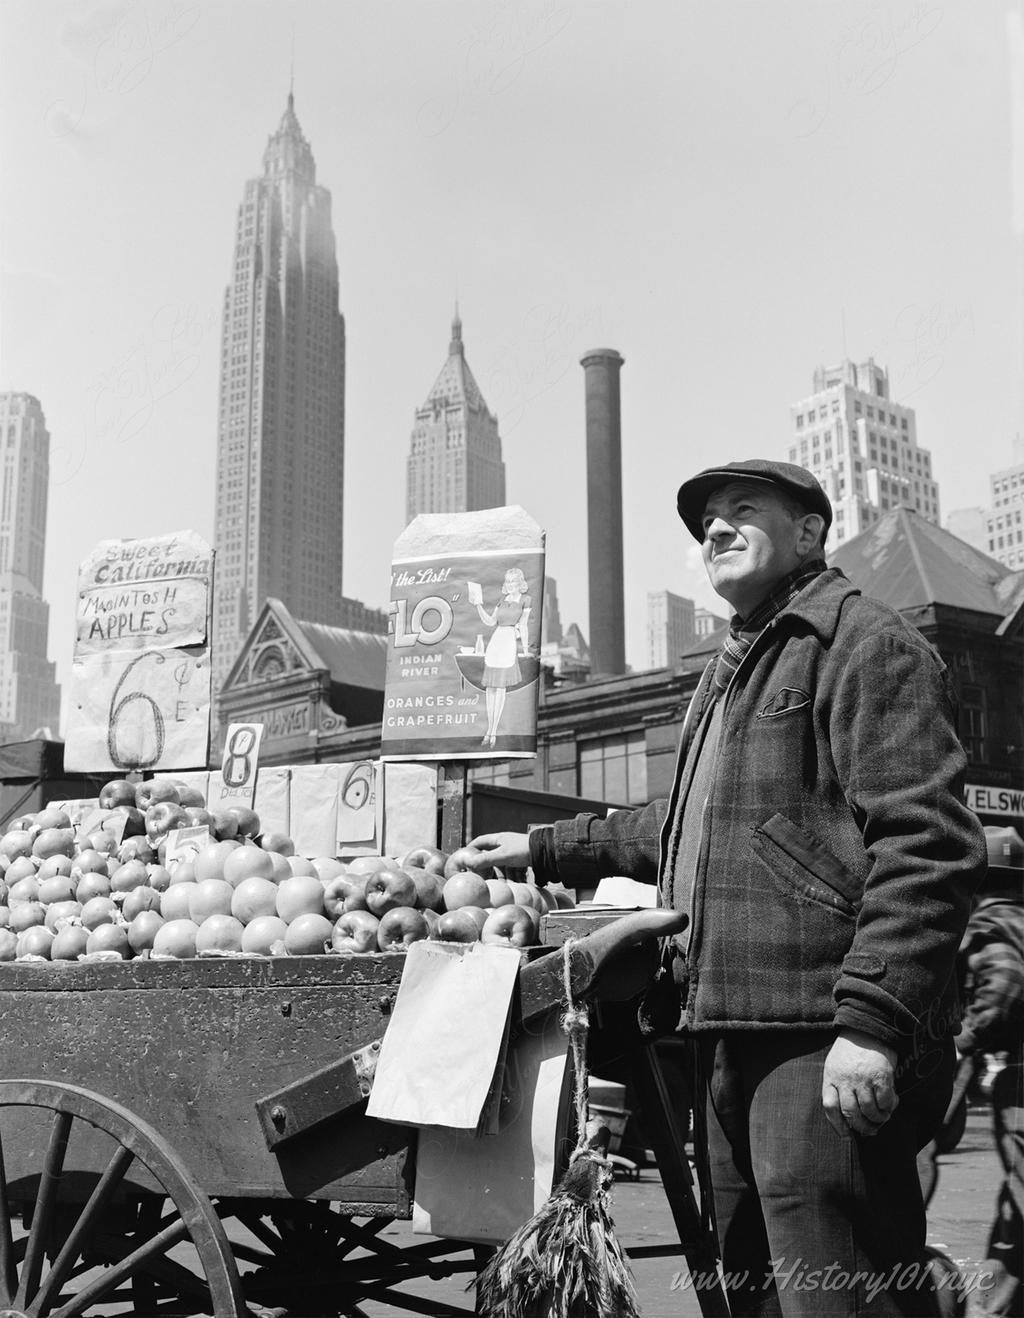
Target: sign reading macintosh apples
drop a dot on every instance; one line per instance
(140, 686)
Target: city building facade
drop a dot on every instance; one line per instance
(454, 463)
(281, 423)
(863, 448)
(671, 627)
(29, 693)
(1004, 520)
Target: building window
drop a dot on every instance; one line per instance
(972, 722)
(614, 769)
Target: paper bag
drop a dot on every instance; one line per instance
(410, 807)
(313, 808)
(485, 1187)
(446, 1033)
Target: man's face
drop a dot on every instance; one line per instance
(751, 541)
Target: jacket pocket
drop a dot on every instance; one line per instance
(805, 865)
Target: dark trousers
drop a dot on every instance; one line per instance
(1005, 1258)
(813, 1224)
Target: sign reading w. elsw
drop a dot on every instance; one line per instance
(994, 800)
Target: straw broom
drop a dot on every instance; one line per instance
(565, 1262)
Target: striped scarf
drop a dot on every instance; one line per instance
(744, 631)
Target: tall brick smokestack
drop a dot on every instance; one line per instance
(604, 511)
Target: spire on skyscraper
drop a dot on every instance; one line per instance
(455, 464)
(287, 150)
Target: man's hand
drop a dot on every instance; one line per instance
(857, 1089)
(510, 850)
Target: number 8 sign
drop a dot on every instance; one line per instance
(239, 765)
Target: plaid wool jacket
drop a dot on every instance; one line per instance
(837, 859)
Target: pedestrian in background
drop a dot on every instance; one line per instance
(817, 836)
(993, 972)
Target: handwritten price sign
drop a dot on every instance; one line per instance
(140, 692)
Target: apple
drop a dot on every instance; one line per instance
(429, 888)
(427, 858)
(386, 889)
(345, 892)
(154, 790)
(369, 864)
(355, 931)
(198, 816)
(542, 899)
(399, 927)
(248, 820)
(190, 797)
(327, 867)
(459, 926)
(301, 865)
(119, 791)
(279, 842)
(134, 821)
(465, 889)
(136, 848)
(501, 892)
(431, 918)
(162, 817)
(511, 926)
(225, 825)
(460, 861)
(523, 894)
(563, 899)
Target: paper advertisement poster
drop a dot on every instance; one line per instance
(463, 669)
(140, 684)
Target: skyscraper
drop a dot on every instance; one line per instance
(670, 627)
(863, 448)
(281, 427)
(454, 463)
(29, 694)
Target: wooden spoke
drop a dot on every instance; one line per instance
(42, 1217)
(70, 1286)
(90, 1217)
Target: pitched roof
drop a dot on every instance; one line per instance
(456, 384)
(351, 658)
(908, 562)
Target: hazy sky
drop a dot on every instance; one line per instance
(727, 193)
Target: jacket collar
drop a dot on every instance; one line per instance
(820, 602)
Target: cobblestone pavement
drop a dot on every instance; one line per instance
(958, 1223)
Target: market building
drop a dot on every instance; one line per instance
(454, 463)
(29, 693)
(281, 419)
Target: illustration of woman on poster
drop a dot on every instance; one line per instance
(510, 621)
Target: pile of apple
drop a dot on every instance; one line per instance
(101, 886)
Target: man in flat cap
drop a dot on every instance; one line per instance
(817, 837)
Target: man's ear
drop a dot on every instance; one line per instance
(812, 525)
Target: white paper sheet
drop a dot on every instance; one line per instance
(445, 1035)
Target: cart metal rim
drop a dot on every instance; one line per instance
(30, 1289)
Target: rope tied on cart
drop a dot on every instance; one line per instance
(565, 1262)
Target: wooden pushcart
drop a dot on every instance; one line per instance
(186, 1142)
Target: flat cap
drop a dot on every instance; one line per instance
(796, 481)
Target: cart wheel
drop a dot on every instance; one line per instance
(68, 1260)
